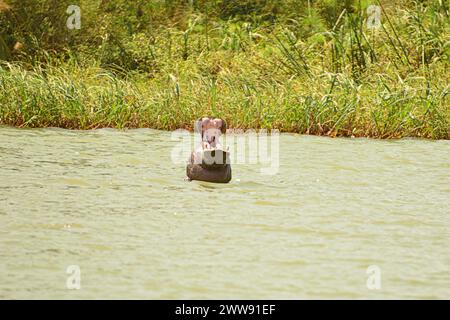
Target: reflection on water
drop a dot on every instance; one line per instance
(114, 204)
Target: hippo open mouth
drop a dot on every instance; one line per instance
(215, 158)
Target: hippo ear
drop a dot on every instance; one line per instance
(200, 125)
(223, 126)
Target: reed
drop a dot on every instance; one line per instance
(303, 74)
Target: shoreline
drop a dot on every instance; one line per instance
(234, 131)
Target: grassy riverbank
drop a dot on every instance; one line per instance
(309, 72)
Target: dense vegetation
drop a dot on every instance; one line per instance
(300, 66)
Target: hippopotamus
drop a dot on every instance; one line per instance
(209, 161)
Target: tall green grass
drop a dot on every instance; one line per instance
(322, 72)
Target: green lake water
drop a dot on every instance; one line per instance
(115, 205)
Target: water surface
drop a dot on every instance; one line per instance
(113, 203)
